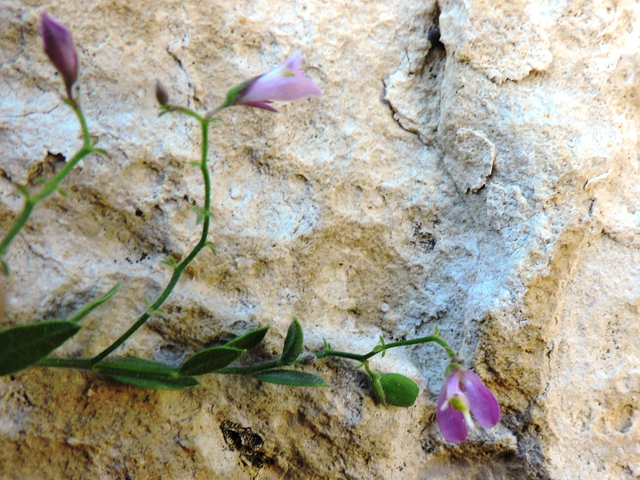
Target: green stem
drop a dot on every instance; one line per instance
(328, 352)
(178, 269)
(50, 186)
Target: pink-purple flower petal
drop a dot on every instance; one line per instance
(263, 105)
(450, 421)
(483, 403)
(283, 84)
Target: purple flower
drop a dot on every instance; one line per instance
(464, 392)
(283, 84)
(58, 45)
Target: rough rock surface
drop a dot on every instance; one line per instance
(489, 186)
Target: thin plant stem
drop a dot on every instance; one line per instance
(329, 352)
(51, 185)
(179, 268)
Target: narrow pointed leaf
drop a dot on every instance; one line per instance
(92, 306)
(137, 365)
(154, 382)
(293, 378)
(145, 374)
(292, 343)
(26, 344)
(248, 340)
(210, 360)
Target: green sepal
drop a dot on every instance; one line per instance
(399, 391)
(292, 343)
(25, 345)
(235, 92)
(376, 388)
(249, 339)
(210, 360)
(61, 191)
(92, 306)
(292, 378)
(145, 374)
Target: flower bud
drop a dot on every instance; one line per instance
(161, 94)
(58, 45)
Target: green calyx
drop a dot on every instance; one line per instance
(235, 93)
(451, 368)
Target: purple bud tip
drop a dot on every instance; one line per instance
(58, 45)
(161, 94)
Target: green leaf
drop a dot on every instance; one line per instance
(134, 364)
(210, 360)
(212, 247)
(399, 390)
(24, 345)
(92, 306)
(61, 191)
(248, 340)
(293, 378)
(4, 267)
(172, 262)
(194, 164)
(145, 374)
(292, 343)
(23, 190)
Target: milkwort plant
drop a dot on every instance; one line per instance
(462, 394)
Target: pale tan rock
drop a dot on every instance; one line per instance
(489, 187)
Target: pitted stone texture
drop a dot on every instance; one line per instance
(490, 188)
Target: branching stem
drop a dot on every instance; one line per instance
(329, 352)
(179, 268)
(51, 185)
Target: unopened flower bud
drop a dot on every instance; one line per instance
(161, 94)
(58, 45)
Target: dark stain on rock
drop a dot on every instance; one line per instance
(244, 441)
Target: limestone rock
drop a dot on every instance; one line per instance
(489, 187)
